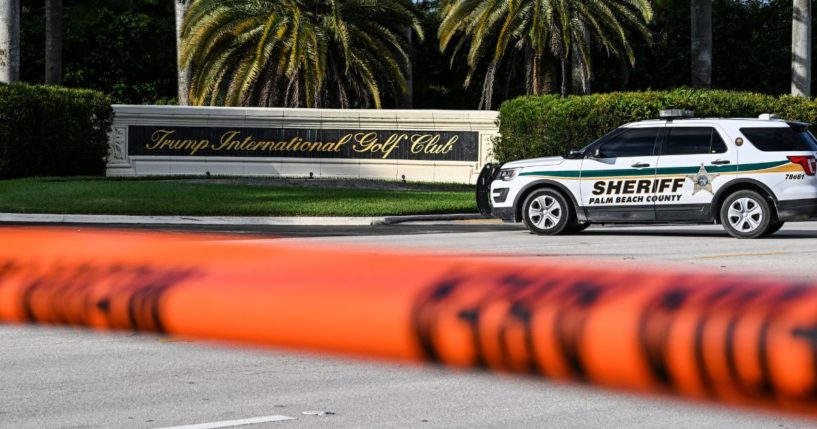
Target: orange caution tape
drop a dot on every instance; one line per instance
(731, 339)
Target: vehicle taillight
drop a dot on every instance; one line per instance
(809, 163)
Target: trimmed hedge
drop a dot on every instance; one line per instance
(53, 131)
(548, 125)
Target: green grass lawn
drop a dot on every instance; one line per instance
(153, 197)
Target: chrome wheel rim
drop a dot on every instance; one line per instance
(545, 212)
(745, 215)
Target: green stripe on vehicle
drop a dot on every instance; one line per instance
(590, 174)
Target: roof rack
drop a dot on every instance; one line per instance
(671, 114)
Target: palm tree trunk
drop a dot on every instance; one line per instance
(563, 91)
(528, 58)
(182, 73)
(581, 78)
(548, 73)
(9, 41)
(488, 88)
(407, 99)
(701, 43)
(536, 74)
(53, 42)
(801, 49)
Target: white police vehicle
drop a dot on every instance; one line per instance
(750, 175)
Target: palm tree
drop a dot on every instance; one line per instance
(546, 30)
(9, 41)
(701, 12)
(309, 53)
(53, 42)
(801, 49)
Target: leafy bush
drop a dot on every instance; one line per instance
(546, 125)
(52, 131)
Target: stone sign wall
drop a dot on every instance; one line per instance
(415, 145)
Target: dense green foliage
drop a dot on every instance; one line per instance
(439, 76)
(52, 131)
(298, 53)
(124, 48)
(547, 125)
(155, 197)
(751, 49)
(546, 31)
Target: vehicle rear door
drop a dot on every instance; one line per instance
(697, 161)
(617, 175)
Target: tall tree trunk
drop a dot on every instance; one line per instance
(801, 49)
(701, 43)
(536, 74)
(563, 60)
(488, 88)
(528, 58)
(548, 72)
(406, 101)
(580, 73)
(183, 73)
(53, 42)
(9, 41)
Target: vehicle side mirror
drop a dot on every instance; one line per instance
(576, 154)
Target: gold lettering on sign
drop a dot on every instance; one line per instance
(233, 141)
(430, 144)
(361, 142)
(367, 142)
(162, 140)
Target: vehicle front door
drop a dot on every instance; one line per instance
(617, 176)
(698, 157)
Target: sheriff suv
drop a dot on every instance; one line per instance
(750, 175)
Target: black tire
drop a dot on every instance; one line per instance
(576, 228)
(746, 214)
(546, 212)
(774, 227)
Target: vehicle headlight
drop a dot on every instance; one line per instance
(507, 175)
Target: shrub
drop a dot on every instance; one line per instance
(52, 131)
(546, 125)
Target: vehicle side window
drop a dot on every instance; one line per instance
(779, 139)
(633, 142)
(692, 141)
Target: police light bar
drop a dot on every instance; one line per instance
(768, 117)
(676, 114)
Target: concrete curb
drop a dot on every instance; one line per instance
(224, 220)
(391, 220)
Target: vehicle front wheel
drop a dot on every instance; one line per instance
(746, 214)
(546, 212)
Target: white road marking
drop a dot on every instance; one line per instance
(232, 423)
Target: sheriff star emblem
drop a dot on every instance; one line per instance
(702, 180)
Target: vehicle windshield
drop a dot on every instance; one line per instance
(584, 150)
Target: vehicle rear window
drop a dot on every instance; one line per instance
(780, 139)
(692, 141)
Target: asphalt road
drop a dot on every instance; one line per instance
(57, 378)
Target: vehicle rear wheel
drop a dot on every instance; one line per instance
(546, 212)
(774, 227)
(746, 214)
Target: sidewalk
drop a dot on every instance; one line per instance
(227, 220)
